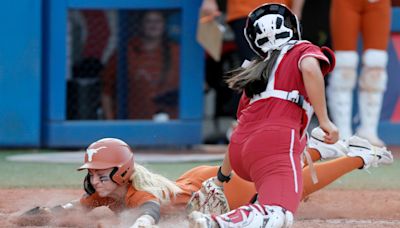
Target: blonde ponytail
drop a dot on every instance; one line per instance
(155, 184)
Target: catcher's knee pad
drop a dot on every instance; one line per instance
(344, 75)
(373, 75)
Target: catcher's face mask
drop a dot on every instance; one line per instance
(269, 27)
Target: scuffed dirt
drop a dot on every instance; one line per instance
(327, 208)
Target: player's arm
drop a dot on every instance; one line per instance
(315, 87)
(56, 209)
(224, 173)
(149, 214)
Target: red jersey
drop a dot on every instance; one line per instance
(287, 77)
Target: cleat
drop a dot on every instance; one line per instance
(371, 155)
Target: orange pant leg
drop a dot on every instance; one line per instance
(350, 18)
(345, 22)
(328, 172)
(238, 191)
(375, 26)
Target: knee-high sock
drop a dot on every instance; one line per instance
(328, 172)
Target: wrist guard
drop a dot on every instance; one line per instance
(221, 177)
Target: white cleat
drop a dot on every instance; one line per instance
(371, 155)
(327, 151)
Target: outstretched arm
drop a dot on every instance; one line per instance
(149, 215)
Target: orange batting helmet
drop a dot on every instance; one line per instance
(110, 153)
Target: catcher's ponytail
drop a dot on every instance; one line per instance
(254, 78)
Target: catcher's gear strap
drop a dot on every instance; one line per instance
(221, 177)
(152, 209)
(293, 96)
(311, 165)
(87, 185)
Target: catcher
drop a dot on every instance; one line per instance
(116, 181)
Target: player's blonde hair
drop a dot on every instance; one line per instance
(155, 184)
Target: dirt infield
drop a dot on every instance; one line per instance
(327, 208)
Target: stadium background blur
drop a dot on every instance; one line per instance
(55, 55)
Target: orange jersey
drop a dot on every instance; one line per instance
(241, 8)
(151, 76)
(349, 18)
(133, 199)
(238, 192)
(153, 79)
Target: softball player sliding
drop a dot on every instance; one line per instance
(116, 181)
(371, 18)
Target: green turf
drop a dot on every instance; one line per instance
(52, 175)
(48, 175)
(383, 177)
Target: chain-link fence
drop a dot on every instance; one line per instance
(123, 64)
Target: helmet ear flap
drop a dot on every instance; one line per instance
(121, 175)
(115, 169)
(87, 185)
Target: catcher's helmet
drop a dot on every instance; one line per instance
(110, 153)
(269, 27)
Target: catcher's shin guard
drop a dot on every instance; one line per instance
(253, 215)
(340, 91)
(372, 85)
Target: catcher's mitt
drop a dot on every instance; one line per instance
(210, 199)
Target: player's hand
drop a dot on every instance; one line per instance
(331, 132)
(37, 216)
(37, 211)
(144, 221)
(209, 10)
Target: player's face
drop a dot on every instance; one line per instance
(153, 25)
(101, 181)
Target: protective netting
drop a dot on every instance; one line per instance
(123, 64)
